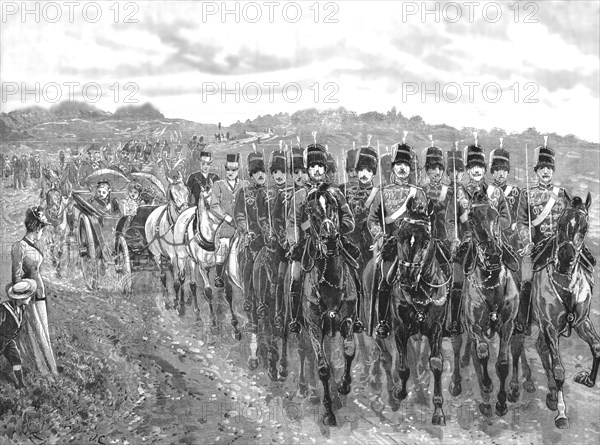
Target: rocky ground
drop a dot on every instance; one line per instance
(133, 372)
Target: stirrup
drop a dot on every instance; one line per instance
(247, 306)
(262, 310)
(219, 282)
(358, 327)
(382, 330)
(295, 327)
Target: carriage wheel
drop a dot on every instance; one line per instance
(88, 252)
(123, 265)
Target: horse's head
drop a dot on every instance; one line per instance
(413, 241)
(53, 202)
(178, 193)
(485, 229)
(322, 209)
(572, 227)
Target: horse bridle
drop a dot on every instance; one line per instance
(419, 265)
(569, 242)
(481, 252)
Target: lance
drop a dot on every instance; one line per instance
(455, 178)
(527, 187)
(246, 193)
(268, 197)
(381, 189)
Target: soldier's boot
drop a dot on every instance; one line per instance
(455, 326)
(383, 330)
(296, 297)
(523, 322)
(19, 378)
(219, 275)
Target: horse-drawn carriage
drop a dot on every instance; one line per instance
(115, 240)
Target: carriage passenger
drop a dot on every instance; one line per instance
(103, 201)
(133, 200)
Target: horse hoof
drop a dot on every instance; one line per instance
(583, 378)
(465, 361)
(329, 419)
(345, 388)
(438, 419)
(485, 409)
(551, 403)
(513, 396)
(399, 393)
(487, 386)
(377, 405)
(501, 409)
(302, 391)
(273, 374)
(252, 363)
(561, 423)
(529, 386)
(394, 403)
(455, 389)
(283, 374)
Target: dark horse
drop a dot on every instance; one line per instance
(490, 302)
(419, 289)
(561, 297)
(329, 292)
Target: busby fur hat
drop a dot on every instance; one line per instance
(403, 154)
(545, 156)
(475, 157)
(315, 154)
(499, 159)
(367, 158)
(434, 158)
(351, 159)
(256, 163)
(233, 161)
(454, 160)
(331, 164)
(277, 163)
(298, 158)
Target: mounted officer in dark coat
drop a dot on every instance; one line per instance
(200, 183)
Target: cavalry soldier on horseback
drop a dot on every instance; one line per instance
(93, 163)
(436, 191)
(317, 163)
(221, 203)
(539, 210)
(200, 183)
(385, 216)
(476, 167)
(249, 215)
(360, 194)
(126, 163)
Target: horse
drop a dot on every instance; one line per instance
(161, 242)
(418, 301)
(194, 235)
(329, 303)
(490, 302)
(561, 297)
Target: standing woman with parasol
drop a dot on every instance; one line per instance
(34, 340)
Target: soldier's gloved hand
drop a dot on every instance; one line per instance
(526, 251)
(454, 246)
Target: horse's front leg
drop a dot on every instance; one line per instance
(517, 346)
(587, 332)
(436, 364)
(558, 372)
(207, 291)
(315, 331)
(455, 387)
(402, 337)
(349, 344)
(180, 267)
(481, 354)
(163, 265)
(502, 365)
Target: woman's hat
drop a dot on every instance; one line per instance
(37, 213)
(22, 290)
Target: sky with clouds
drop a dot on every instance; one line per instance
(511, 65)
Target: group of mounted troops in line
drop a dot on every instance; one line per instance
(318, 250)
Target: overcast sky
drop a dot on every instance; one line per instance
(363, 56)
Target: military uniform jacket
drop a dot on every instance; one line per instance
(359, 197)
(545, 206)
(249, 209)
(281, 201)
(222, 196)
(495, 195)
(301, 223)
(199, 184)
(512, 195)
(395, 199)
(26, 262)
(438, 194)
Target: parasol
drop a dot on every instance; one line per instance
(116, 179)
(149, 181)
